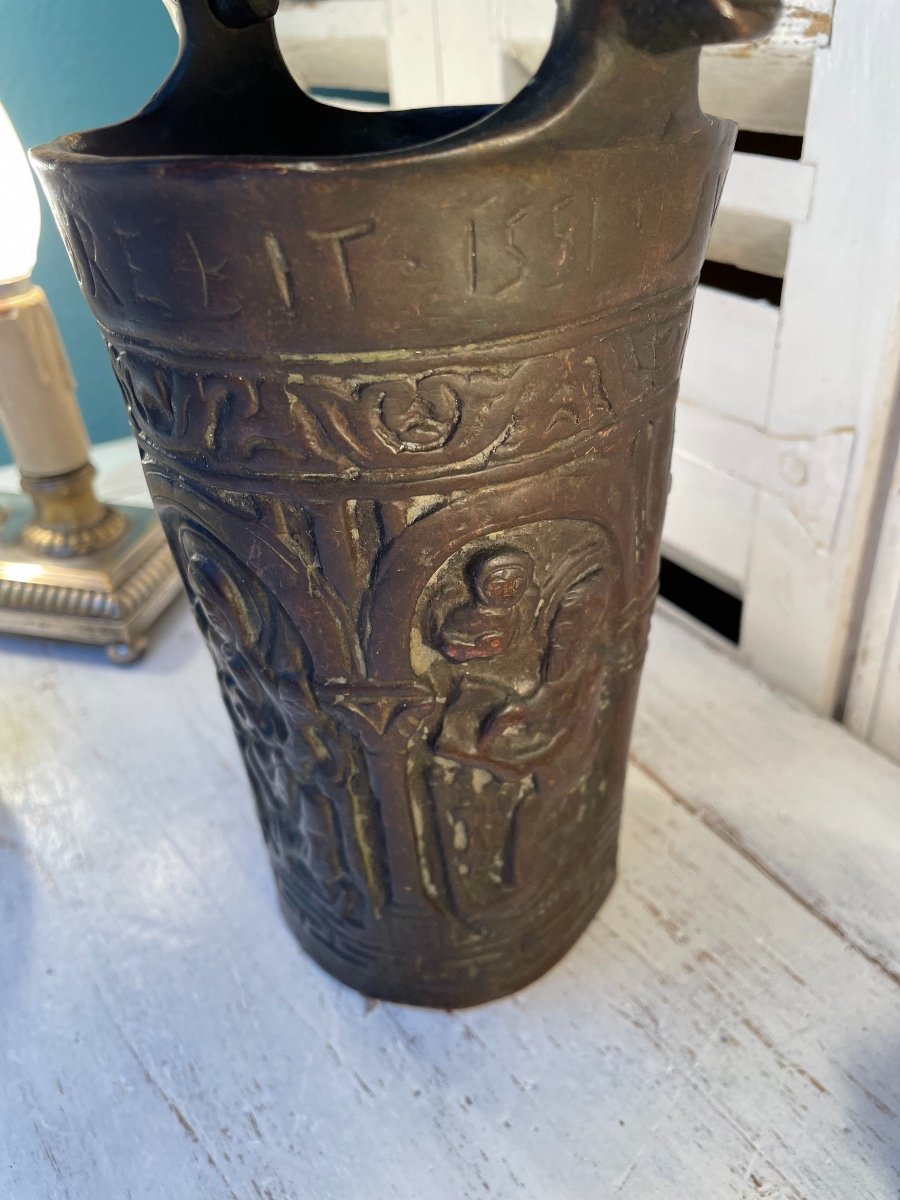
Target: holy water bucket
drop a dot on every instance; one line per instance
(404, 388)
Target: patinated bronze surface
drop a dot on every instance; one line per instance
(404, 387)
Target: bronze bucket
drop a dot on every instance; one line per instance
(404, 390)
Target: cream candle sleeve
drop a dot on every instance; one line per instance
(39, 413)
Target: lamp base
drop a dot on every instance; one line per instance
(109, 597)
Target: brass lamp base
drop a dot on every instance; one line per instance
(109, 596)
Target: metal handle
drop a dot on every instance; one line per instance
(661, 26)
(225, 33)
(658, 26)
(620, 68)
(608, 57)
(665, 26)
(239, 14)
(230, 85)
(194, 16)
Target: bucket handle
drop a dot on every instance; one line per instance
(659, 26)
(230, 46)
(662, 26)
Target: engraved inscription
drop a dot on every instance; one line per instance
(516, 254)
(284, 276)
(83, 252)
(564, 231)
(212, 280)
(139, 290)
(471, 250)
(340, 240)
(316, 263)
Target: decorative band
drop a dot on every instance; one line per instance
(403, 422)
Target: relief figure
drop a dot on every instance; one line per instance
(489, 624)
(307, 769)
(519, 631)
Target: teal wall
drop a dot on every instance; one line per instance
(68, 65)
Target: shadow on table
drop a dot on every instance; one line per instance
(17, 871)
(173, 640)
(872, 1099)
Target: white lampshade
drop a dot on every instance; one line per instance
(20, 209)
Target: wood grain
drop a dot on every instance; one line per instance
(799, 796)
(873, 708)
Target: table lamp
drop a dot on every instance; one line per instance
(71, 567)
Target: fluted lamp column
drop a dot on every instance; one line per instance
(71, 567)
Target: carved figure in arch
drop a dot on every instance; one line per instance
(522, 669)
(540, 646)
(525, 730)
(490, 623)
(307, 770)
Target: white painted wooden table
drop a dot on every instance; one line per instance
(728, 1027)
